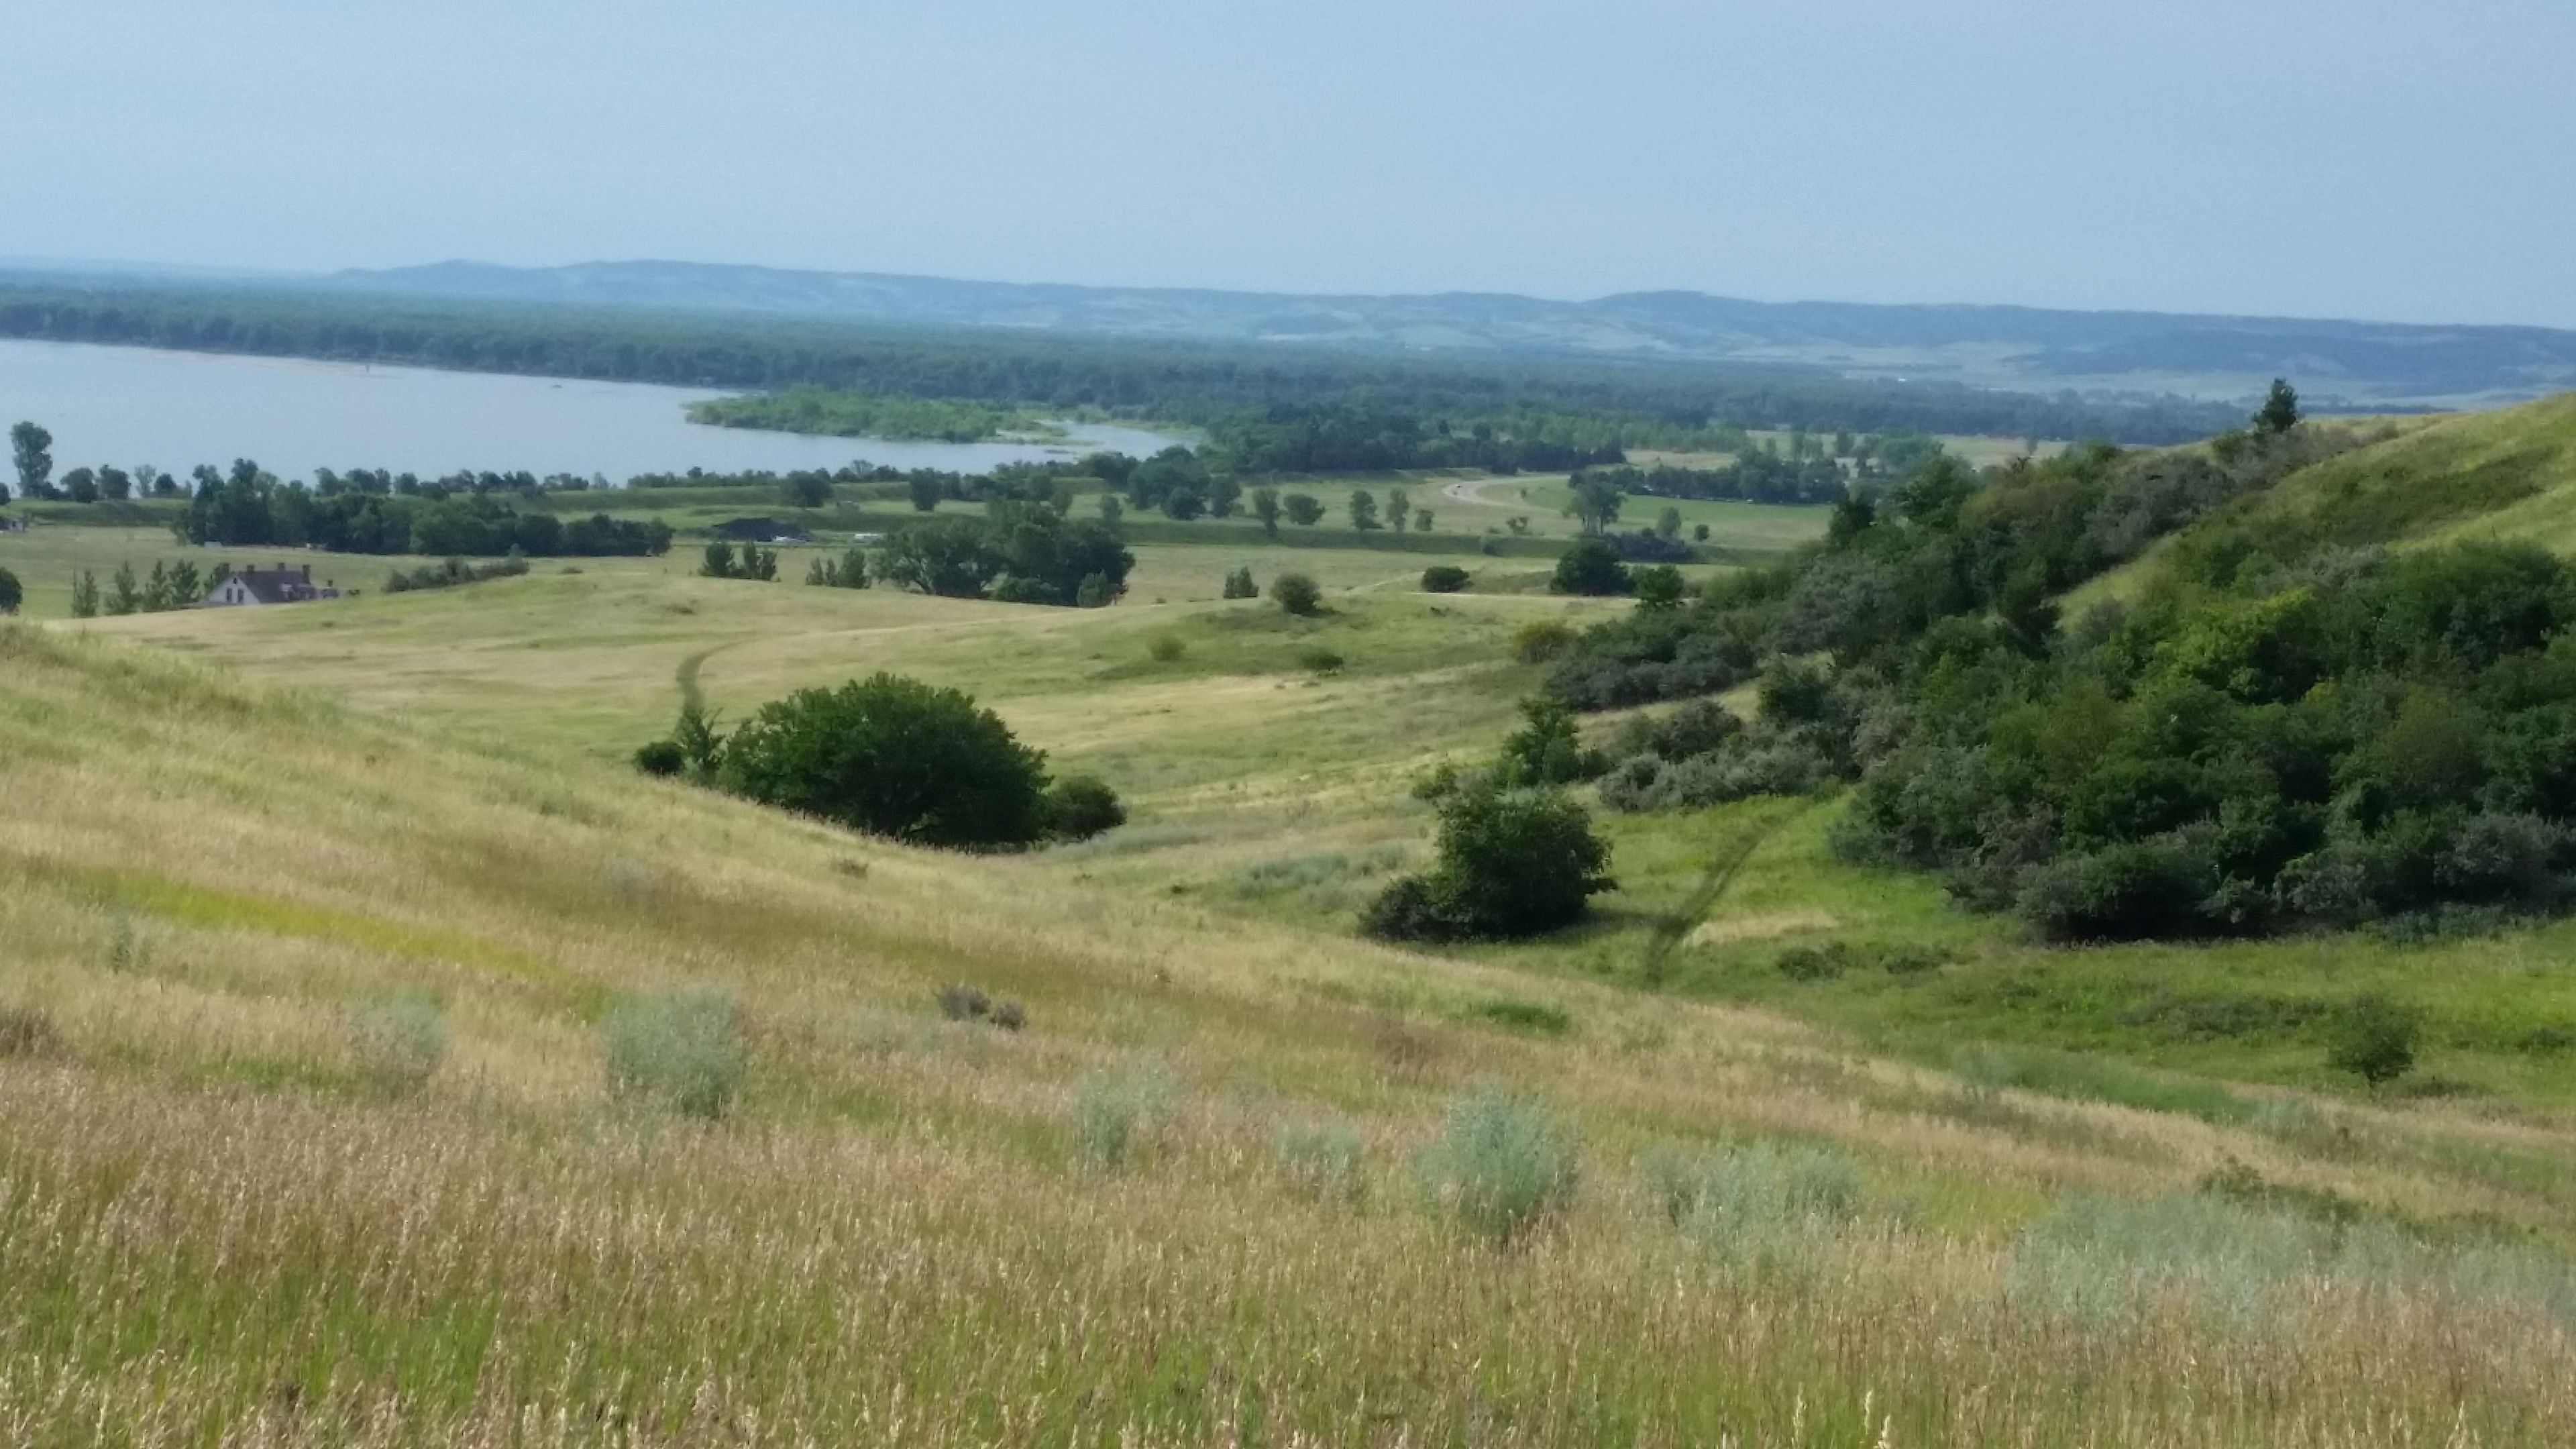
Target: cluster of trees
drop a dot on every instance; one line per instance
(2315, 734)
(849, 571)
(754, 562)
(1580, 403)
(895, 757)
(31, 457)
(1019, 553)
(1176, 480)
(1352, 438)
(250, 506)
(843, 414)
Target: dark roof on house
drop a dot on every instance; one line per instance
(275, 586)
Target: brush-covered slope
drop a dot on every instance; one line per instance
(2507, 475)
(222, 1220)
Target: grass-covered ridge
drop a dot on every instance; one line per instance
(1250, 1159)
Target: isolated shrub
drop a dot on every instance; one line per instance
(1512, 863)
(682, 1050)
(1167, 648)
(1079, 807)
(1541, 640)
(1757, 1189)
(1444, 579)
(1407, 910)
(398, 1045)
(1817, 963)
(963, 1003)
(894, 757)
(1501, 1165)
(1239, 584)
(661, 757)
(1321, 1156)
(1113, 1112)
(1590, 566)
(1304, 509)
(12, 593)
(1546, 749)
(2374, 1039)
(2104, 1259)
(701, 746)
(1297, 594)
(24, 1031)
(1536, 1018)
(1320, 659)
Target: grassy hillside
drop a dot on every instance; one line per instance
(2507, 475)
(218, 1220)
(1961, 1188)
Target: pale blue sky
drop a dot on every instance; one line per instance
(2364, 158)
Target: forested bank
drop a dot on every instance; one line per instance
(1647, 405)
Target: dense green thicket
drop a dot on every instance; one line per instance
(1652, 404)
(2288, 729)
(1017, 553)
(894, 757)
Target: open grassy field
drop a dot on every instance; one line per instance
(1962, 1190)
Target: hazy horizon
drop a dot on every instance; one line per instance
(2297, 159)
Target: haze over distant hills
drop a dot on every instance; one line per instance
(2357, 365)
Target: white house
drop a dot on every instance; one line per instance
(280, 585)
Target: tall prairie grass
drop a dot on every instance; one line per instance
(217, 1229)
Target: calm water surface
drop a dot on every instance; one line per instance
(174, 410)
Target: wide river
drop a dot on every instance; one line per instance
(174, 410)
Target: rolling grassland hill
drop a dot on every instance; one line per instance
(368, 1083)
(384, 1061)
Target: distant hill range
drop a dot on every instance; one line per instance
(2101, 355)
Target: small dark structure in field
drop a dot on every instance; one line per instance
(761, 530)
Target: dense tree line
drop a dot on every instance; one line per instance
(1355, 439)
(1756, 478)
(249, 506)
(1641, 404)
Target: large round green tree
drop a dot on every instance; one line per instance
(894, 757)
